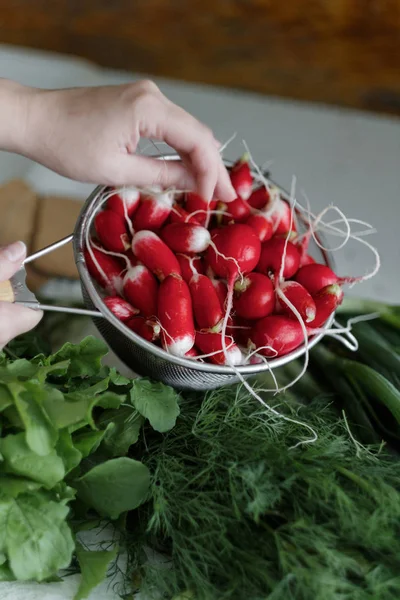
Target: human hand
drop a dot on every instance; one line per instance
(91, 135)
(14, 318)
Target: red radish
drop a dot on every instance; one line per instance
(140, 288)
(240, 248)
(326, 301)
(148, 329)
(237, 211)
(153, 211)
(306, 260)
(175, 313)
(207, 308)
(241, 177)
(221, 289)
(302, 244)
(259, 198)
(110, 278)
(261, 225)
(314, 277)
(128, 197)
(271, 257)
(186, 238)
(289, 235)
(132, 258)
(120, 308)
(192, 353)
(190, 265)
(212, 342)
(300, 298)
(240, 330)
(179, 215)
(276, 335)
(111, 231)
(155, 254)
(281, 216)
(254, 296)
(198, 205)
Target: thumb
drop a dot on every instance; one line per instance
(11, 259)
(144, 171)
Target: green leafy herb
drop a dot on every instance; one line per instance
(21, 460)
(156, 402)
(34, 535)
(122, 429)
(115, 486)
(94, 566)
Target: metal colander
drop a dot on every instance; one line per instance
(144, 358)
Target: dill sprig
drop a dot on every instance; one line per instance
(238, 515)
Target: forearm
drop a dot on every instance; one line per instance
(14, 115)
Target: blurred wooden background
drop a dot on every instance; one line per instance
(342, 52)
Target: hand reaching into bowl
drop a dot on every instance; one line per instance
(90, 134)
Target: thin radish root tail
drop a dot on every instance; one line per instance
(110, 253)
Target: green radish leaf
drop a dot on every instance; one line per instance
(110, 400)
(19, 459)
(92, 390)
(34, 535)
(18, 370)
(70, 455)
(85, 357)
(29, 345)
(87, 442)
(14, 486)
(57, 369)
(156, 402)
(122, 429)
(118, 379)
(69, 409)
(6, 573)
(94, 566)
(6, 398)
(41, 435)
(115, 486)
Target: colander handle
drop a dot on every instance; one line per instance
(16, 291)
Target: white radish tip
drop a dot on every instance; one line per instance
(200, 239)
(235, 357)
(143, 235)
(129, 194)
(180, 346)
(310, 315)
(165, 198)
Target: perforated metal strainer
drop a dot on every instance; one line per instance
(143, 357)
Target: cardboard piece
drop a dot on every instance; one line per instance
(18, 204)
(55, 219)
(39, 221)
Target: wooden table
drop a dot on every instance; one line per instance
(343, 52)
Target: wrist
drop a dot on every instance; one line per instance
(15, 108)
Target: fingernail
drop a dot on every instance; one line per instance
(15, 252)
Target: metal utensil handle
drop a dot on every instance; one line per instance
(15, 290)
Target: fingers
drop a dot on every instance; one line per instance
(15, 320)
(169, 123)
(145, 171)
(11, 259)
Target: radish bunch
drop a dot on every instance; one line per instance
(173, 265)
